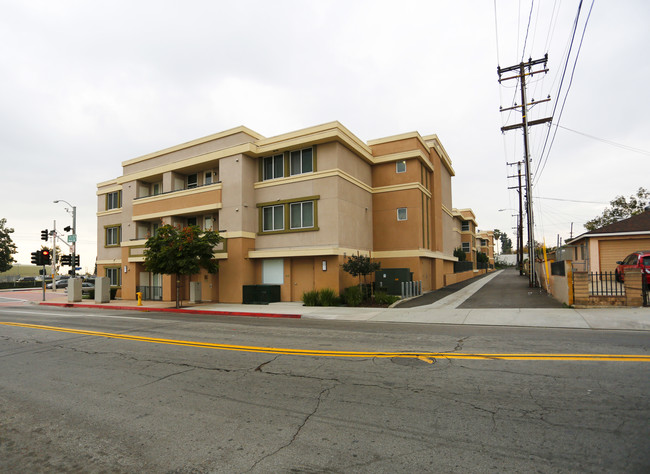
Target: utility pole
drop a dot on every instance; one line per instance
(520, 217)
(523, 70)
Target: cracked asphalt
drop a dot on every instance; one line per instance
(80, 403)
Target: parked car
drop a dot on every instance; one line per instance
(85, 287)
(59, 284)
(639, 260)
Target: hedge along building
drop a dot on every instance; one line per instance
(291, 209)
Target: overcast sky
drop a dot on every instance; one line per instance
(86, 85)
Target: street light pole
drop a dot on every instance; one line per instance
(74, 233)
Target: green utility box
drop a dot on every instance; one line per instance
(390, 279)
(260, 294)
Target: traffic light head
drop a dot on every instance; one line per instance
(44, 234)
(67, 228)
(35, 258)
(46, 258)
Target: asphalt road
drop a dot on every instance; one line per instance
(86, 402)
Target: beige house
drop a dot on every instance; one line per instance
(600, 249)
(291, 209)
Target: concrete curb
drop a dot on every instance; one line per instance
(174, 310)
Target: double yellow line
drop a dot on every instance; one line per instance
(425, 356)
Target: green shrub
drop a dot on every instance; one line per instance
(310, 298)
(383, 298)
(327, 297)
(353, 296)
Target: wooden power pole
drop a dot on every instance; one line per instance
(523, 70)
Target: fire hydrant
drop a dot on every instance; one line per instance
(139, 295)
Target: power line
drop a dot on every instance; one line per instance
(543, 162)
(609, 142)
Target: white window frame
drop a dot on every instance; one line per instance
(402, 168)
(464, 226)
(113, 236)
(156, 188)
(275, 173)
(113, 200)
(195, 183)
(113, 275)
(207, 177)
(208, 223)
(465, 247)
(301, 160)
(302, 205)
(402, 214)
(278, 208)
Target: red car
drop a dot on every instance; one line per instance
(640, 260)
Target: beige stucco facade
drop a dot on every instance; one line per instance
(291, 209)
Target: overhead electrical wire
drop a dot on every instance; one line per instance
(609, 142)
(542, 164)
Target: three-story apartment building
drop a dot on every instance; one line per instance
(291, 209)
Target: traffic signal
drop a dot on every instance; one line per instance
(66, 260)
(44, 235)
(67, 228)
(35, 258)
(76, 260)
(46, 258)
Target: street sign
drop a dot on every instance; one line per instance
(72, 238)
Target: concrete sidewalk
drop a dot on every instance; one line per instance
(440, 312)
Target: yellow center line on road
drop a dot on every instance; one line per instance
(425, 356)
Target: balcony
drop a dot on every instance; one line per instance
(197, 200)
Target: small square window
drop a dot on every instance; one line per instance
(273, 167)
(402, 214)
(400, 166)
(301, 161)
(465, 246)
(192, 180)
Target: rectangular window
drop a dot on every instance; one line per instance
(113, 236)
(192, 180)
(402, 215)
(465, 225)
(465, 246)
(156, 188)
(113, 200)
(400, 166)
(207, 223)
(273, 167)
(191, 221)
(113, 275)
(302, 215)
(207, 177)
(273, 218)
(301, 161)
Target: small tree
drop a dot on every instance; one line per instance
(181, 251)
(460, 254)
(7, 246)
(360, 265)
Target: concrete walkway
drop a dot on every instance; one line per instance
(453, 308)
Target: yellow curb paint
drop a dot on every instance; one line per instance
(428, 357)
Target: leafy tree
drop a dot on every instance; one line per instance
(497, 236)
(460, 254)
(359, 265)
(506, 243)
(7, 246)
(482, 257)
(181, 251)
(621, 208)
